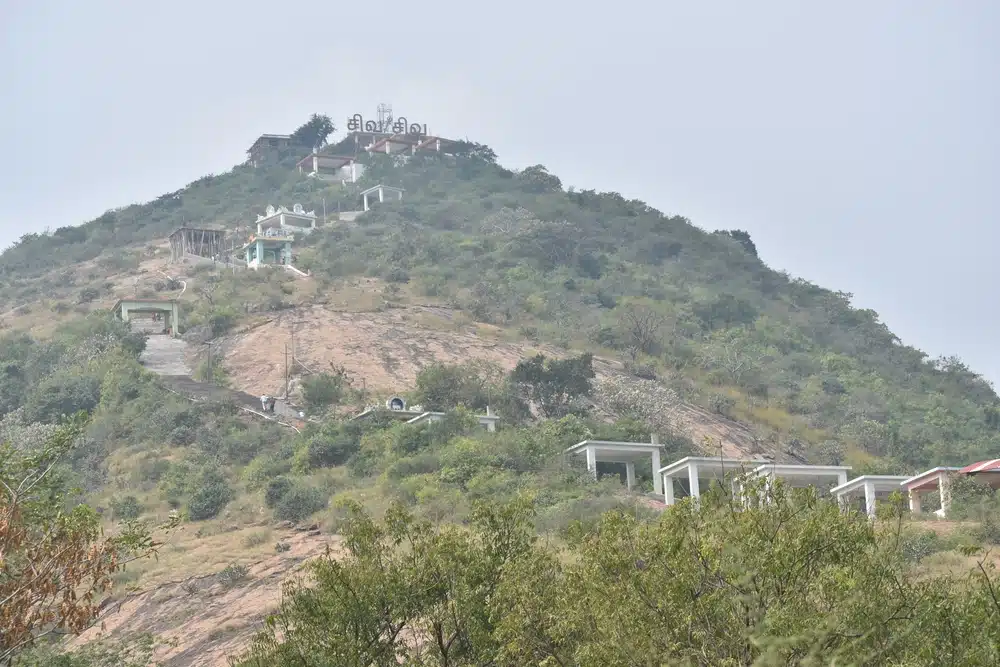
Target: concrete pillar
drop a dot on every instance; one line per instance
(914, 502)
(768, 486)
(842, 477)
(592, 461)
(944, 490)
(657, 478)
(736, 487)
(366, 202)
(381, 192)
(315, 164)
(668, 489)
(630, 475)
(842, 501)
(693, 480)
(870, 498)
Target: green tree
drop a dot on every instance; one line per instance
(322, 390)
(553, 384)
(211, 494)
(367, 609)
(313, 133)
(55, 562)
(788, 579)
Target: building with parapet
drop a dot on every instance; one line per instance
(266, 146)
(380, 190)
(283, 220)
(268, 249)
(151, 316)
(343, 168)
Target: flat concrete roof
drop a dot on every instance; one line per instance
(802, 467)
(926, 477)
(613, 444)
(333, 161)
(143, 302)
(710, 463)
(376, 188)
(610, 451)
(881, 482)
(431, 413)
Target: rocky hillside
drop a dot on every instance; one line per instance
(571, 314)
(692, 310)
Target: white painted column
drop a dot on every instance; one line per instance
(768, 487)
(315, 164)
(592, 461)
(629, 475)
(842, 477)
(668, 489)
(657, 477)
(870, 498)
(381, 192)
(842, 501)
(914, 502)
(693, 480)
(366, 202)
(944, 490)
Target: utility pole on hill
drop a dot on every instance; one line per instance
(286, 371)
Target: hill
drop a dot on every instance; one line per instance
(580, 270)
(572, 315)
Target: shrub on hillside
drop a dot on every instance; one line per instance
(62, 395)
(276, 490)
(212, 493)
(325, 451)
(299, 503)
(126, 508)
(324, 389)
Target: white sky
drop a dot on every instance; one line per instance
(857, 142)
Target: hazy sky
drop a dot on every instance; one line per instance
(857, 142)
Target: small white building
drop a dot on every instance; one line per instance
(871, 487)
(488, 421)
(935, 479)
(381, 191)
(801, 475)
(608, 451)
(280, 221)
(342, 168)
(397, 409)
(697, 468)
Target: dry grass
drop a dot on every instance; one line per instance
(189, 552)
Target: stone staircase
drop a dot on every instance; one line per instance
(165, 356)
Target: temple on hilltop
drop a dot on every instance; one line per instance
(386, 134)
(271, 244)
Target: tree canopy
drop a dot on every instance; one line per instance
(791, 581)
(314, 132)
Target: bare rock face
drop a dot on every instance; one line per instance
(202, 620)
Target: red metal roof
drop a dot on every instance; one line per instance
(992, 465)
